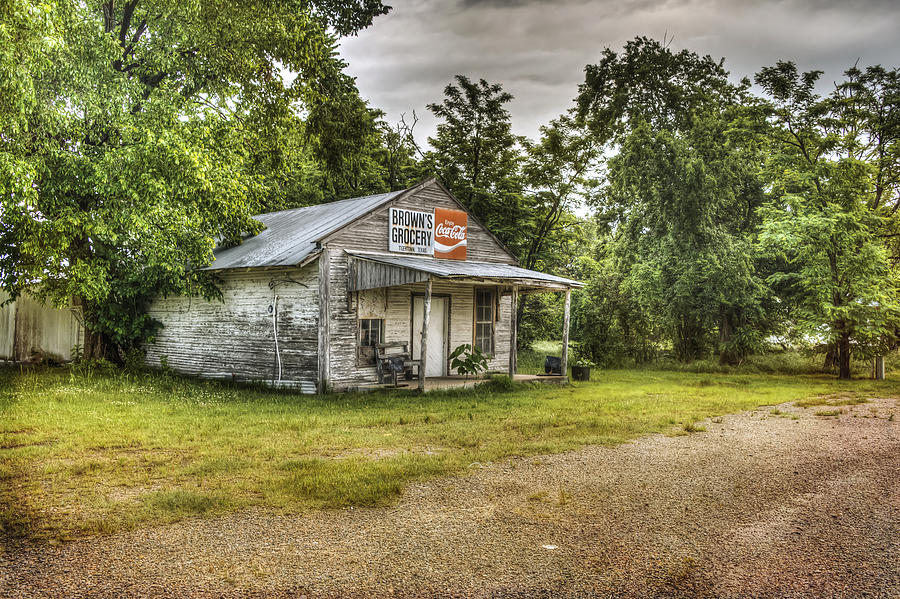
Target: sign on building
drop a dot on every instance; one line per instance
(441, 233)
(411, 231)
(450, 239)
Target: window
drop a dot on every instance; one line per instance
(371, 333)
(484, 320)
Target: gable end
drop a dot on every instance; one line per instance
(370, 233)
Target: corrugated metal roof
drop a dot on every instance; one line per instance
(465, 269)
(291, 235)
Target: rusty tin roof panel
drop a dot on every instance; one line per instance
(291, 235)
(464, 269)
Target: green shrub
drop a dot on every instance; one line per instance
(133, 360)
(500, 383)
(468, 360)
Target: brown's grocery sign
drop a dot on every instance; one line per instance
(411, 231)
(441, 233)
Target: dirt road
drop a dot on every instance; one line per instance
(757, 505)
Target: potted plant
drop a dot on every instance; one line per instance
(581, 367)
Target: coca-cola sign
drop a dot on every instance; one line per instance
(441, 233)
(450, 234)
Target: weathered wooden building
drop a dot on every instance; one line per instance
(313, 300)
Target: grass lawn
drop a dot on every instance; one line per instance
(97, 453)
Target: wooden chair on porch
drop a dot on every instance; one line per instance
(393, 358)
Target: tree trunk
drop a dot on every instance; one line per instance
(726, 329)
(96, 344)
(844, 357)
(688, 344)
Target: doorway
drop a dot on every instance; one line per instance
(436, 358)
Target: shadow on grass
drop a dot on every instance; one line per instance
(18, 519)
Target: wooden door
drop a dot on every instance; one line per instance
(436, 360)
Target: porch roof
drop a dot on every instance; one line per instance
(371, 271)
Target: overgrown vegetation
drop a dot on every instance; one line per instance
(721, 222)
(93, 451)
(136, 135)
(788, 362)
(467, 360)
(729, 222)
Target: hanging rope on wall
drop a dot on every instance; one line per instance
(273, 309)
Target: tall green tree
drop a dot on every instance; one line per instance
(681, 191)
(141, 139)
(28, 35)
(397, 156)
(649, 83)
(689, 203)
(560, 172)
(345, 136)
(477, 156)
(833, 171)
(607, 321)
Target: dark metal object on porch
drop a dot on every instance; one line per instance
(392, 359)
(552, 365)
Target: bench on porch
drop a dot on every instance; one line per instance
(389, 355)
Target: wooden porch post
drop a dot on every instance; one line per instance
(513, 331)
(565, 339)
(423, 353)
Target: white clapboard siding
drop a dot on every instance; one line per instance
(235, 337)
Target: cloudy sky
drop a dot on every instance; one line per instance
(538, 48)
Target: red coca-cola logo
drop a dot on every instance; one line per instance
(451, 231)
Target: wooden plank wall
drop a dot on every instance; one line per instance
(371, 232)
(235, 338)
(7, 328)
(376, 276)
(397, 310)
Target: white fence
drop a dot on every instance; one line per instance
(30, 329)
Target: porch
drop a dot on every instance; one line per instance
(432, 306)
(437, 383)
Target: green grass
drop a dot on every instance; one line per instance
(693, 427)
(791, 362)
(103, 452)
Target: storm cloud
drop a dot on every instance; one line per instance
(538, 49)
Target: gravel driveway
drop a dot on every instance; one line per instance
(758, 505)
